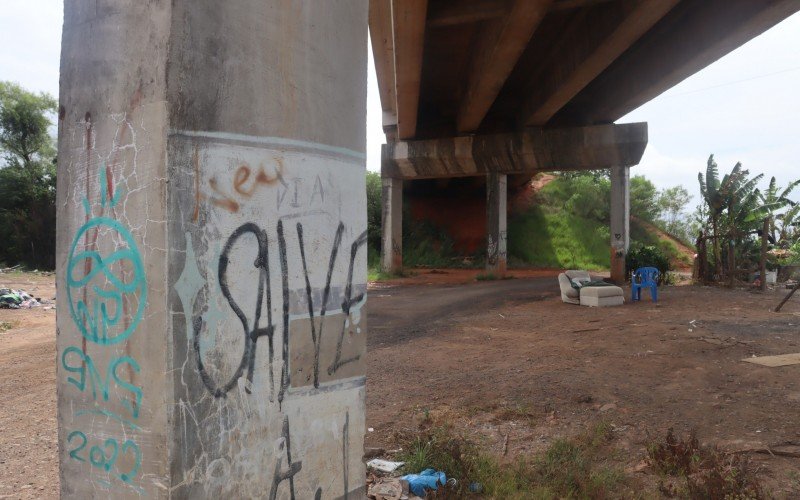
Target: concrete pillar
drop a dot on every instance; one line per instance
(496, 228)
(620, 221)
(392, 252)
(212, 249)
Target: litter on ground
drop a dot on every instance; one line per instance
(775, 361)
(18, 299)
(384, 465)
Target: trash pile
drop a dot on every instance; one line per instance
(407, 487)
(19, 299)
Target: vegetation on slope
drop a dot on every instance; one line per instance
(566, 227)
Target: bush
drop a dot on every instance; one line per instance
(647, 256)
(374, 211)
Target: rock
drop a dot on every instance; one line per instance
(608, 406)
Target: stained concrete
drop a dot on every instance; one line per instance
(496, 225)
(620, 220)
(392, 225)
(526, 152)
(212, 249)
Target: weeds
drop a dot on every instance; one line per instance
(675, 457)
(6, 326)
(708, 473)
(570, 468)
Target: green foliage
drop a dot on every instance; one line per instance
(647, 256)
(734, 212)
(672, 204)
(644, 199)
(27, 178)
(558, 239)
(24, 137)
(569, 468)
(582, 194)
(374, 211)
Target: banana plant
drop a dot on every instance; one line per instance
(715, 201)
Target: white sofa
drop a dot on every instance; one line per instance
(569, 294)
(592, 296)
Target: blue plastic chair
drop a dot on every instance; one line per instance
(644, 277)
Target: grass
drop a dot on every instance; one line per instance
(570, 468)
(558, 239)
(6, 326)
(374, 271)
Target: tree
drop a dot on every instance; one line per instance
(374, 210)
(775, 199)
(24, 137)
(27, 177)
(644, 199)
(672, 203)
(715, 201)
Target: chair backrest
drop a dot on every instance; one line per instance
(646, 275)
(577, 275)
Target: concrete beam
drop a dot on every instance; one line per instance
(531, 151)
(574, 4)
(211, 201)
(392, 226)
(693, 35)
(466, 11)
(382, 37)
(620, 221)
(583, 55)
(496, 226)
(408, 19)
(497, 50)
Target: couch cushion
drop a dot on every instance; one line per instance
(601, 291)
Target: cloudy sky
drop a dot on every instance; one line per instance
(745, 107)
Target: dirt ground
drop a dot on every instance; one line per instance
(28, 440)
(506, 362)
(518, 368)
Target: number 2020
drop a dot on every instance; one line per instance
(104, 457)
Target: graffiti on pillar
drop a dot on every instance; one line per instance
(502, 254)
(107, 295)
(271, 298)
(252, 330)
(491, 250)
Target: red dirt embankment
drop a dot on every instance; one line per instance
(459, 207)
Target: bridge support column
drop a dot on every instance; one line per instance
(392, 226)
(496, 230)
(211, 209)
(620, 221)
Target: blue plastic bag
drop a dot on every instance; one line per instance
(427, 479)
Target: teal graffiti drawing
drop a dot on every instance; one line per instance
(105, 457)
(85, 364)
(99, 319)
(99, 458)
(75, 453)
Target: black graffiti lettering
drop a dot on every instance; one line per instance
(349, 301)
(292, 468)
(251, 335)
(285, 289)
(316, 336)
(345, 449)
(255, 331)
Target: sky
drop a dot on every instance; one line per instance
(744, 107)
